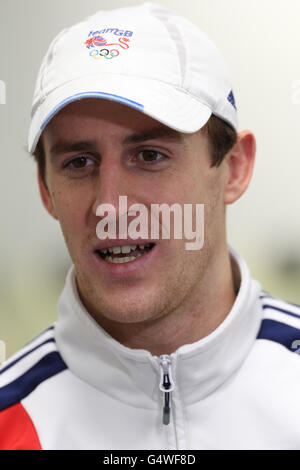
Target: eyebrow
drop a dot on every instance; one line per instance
(63, 147)
(157, 133)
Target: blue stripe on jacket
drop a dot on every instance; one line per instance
(12, 393)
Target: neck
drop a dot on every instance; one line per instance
(200, 314)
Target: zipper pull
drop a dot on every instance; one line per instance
(166, 385)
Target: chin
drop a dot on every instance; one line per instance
(122, 302)
(125, 311)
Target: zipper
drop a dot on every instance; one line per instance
(166, 385)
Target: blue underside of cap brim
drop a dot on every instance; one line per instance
(92, 94)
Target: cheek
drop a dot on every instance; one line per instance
(69, 209)
(181, 186)
(215, 214)
(66, 195)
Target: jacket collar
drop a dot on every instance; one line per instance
(131, 375)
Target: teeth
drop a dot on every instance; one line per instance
(125, 259)
(124, 249)
(120, 249)
(127, 248)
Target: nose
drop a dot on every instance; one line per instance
(114, 180)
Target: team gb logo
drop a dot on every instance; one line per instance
(100, 47)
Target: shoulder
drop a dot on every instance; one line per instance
(20, 375)
(280, 322)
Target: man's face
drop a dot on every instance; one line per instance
(97, 150)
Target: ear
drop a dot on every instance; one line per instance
(45, 196)
(240, 161)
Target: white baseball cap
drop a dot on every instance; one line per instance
(145, 57)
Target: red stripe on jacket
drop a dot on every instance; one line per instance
(17, 431)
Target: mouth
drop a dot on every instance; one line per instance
(125, 253)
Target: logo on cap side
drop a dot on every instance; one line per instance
(98, 41)
(231, 99)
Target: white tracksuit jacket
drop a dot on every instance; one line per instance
(74, 387)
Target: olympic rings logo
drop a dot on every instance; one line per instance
(97, 54)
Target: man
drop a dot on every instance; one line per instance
(156, 346)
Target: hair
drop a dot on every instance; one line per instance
(40, 158)
(221, 137)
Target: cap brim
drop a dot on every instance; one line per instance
(171, 106)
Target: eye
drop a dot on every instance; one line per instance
(79, 162)
(150, 156)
